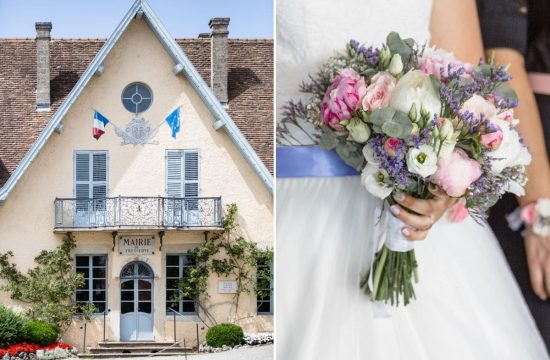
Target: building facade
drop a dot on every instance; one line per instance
(141, 195)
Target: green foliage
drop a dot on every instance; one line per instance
(48, 287)
(227, 254)
(224, 334)
(42, 333)
(12, 328)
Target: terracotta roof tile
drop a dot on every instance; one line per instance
(250, 86)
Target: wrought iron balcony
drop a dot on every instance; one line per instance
(138, 212)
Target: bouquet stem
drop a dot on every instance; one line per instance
(394, 273)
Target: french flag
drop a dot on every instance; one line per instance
(100, 122)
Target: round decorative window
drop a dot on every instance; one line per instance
(137, 97)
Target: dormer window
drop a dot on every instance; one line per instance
(137, 97)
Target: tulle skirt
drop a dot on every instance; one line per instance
(468, 305)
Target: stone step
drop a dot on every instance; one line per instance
(137, 349)
(127, 355)
(130, 344)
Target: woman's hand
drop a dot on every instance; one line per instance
(419, 215)
(538, 259)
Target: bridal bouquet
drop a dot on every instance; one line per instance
(412, 118)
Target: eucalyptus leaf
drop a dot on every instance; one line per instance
(435, 83)
(392, 128)
(328, 140)
(380, 116)
(506, 92)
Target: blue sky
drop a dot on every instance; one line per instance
(98, 18)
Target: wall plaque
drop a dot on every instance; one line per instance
(136, 245)
(227, 286)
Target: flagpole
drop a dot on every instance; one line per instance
(110, 121)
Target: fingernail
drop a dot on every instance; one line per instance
(395, 210)
(406, 231)
(399, 196)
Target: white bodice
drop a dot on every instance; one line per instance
(309, 31)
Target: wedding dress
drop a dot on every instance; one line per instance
(468, 305)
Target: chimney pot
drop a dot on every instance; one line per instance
(204, 36)
(219, 50)
(43, 30)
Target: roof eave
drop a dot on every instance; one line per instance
(192, 75)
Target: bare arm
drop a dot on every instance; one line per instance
(454, 26)
(538, 186)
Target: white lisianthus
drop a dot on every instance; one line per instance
(543, 208)
(359, 131)
(515, 188)
(510, 152)
(422, 161)
(416, 88)
(375, 180)
(368, 153)
(448, 137)
(396, 65)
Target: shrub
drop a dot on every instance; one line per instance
(42, 333)
(12, 327)
(224, 334)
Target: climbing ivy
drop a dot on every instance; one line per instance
(227, 254)
(49, 287)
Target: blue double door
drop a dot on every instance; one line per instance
(136, 302)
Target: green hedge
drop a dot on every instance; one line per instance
(42, 333)
(13, 329)
(224, 334)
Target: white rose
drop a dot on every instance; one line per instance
(416, 88)
(422, 161)
(374, 179)
(543, 208)
(478, 105)
(510, 152)
(368, 153)
(359, 131)
(396, 65)
(541, 229)
(515, 188)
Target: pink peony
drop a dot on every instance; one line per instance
(458, 211)
(391, 145)
(492, 140)
(456, 173)
(529, 214)
(437, 62)
(342, 98)
(379, 91)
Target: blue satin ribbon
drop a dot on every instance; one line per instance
(310, 161)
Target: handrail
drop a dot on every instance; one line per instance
(182, 315)
(170, 346)
(104, 314)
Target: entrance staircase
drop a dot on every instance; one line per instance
(128, 349)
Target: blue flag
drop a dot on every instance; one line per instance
(174, 121)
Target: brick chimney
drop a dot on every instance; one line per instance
(219, 48)
(43, 30)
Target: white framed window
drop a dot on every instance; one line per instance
(94, 290)
(182, 184)
(264, 303)
(90, 174)
(177, 266)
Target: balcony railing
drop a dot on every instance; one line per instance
(135, 212)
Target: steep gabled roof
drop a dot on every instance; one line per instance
(142, 9)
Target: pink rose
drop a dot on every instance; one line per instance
(458, 212)
(529, 214)
(507, 115)
(478, 105)
(437, 62)
(492, 140)
(379, 91)
(456, 173)
(342, 98)
(391, 145)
